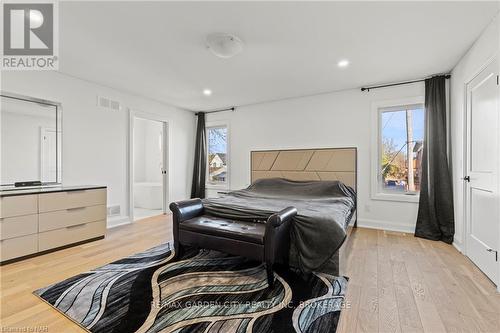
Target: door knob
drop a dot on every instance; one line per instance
(466, 178)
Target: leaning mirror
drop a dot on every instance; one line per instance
(30, 140)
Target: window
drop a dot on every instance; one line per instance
(217, 137)
(399, 151)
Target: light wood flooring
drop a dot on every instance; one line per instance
(398, 283)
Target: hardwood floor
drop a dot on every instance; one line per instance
(398, 283)
(20, 308)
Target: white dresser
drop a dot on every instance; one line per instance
(41, 220)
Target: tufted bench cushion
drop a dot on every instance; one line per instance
(209, 225)
(267, 241)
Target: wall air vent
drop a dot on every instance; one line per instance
(114, 210)
(106, 103)
(114, 105)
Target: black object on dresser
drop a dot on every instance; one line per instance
(265, 241)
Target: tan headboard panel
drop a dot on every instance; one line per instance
(306, 164)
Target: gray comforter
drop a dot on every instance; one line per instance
(319, 229)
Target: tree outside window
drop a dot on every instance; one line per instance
(401, 149)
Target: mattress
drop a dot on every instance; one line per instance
(320, 226)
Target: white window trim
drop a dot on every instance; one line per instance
(226, 186)
(376, 193)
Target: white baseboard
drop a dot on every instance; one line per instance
(458, 242)
(384, 225)
(118, 221)
(392, 226)
(457, 246)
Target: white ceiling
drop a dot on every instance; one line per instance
(156, 49)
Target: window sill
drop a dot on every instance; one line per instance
(412, 198)
(216, 187)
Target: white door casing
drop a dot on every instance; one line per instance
(482, 171)
(165, 160)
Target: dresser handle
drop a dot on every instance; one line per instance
(75, 208)
(76, 226)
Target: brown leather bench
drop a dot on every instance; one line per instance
(265, 241)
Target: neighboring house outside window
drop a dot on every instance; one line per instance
(217, 170)
(397, 164)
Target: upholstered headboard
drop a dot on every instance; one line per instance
(306, 164)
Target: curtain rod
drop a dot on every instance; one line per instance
(214, 111)
(447, 76)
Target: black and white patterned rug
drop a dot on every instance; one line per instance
(204, 291)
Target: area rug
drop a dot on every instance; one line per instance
(204, 291)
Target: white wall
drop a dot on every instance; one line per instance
(95, 141)
(339, 119)
(483, 50)
(21, 145)
(154, 156)
(147, 152)
(139, 151)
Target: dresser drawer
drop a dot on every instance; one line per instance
(18, 205)
(64, 236)
(71, 199)
(11, 227)
(72, 216)
(18, 247)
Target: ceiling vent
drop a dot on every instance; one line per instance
(106, 103)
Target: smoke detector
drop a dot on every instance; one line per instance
(224, 45)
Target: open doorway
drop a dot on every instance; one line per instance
(149, 167)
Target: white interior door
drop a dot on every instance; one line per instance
(482, 201)
(48, 152)
(148, 165)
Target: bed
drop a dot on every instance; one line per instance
(320, 183)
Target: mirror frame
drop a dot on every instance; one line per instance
(58, 107)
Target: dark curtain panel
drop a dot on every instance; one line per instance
(435, 219)
(200, 159)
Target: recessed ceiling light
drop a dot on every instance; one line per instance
(207, 92)
(343, 63)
